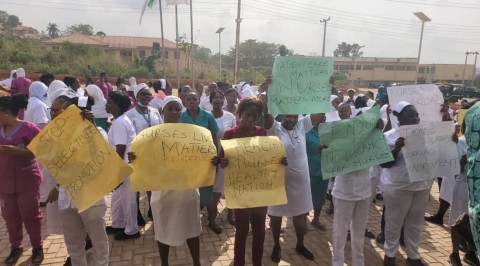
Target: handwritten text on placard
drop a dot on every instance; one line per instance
(300, 85)
(254, 176)
(173, 156)
(353, 144)
(79, 158)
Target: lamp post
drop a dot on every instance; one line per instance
(474, 68)
(424, 19)
(324, 33)
(219, 31)
(465, 67)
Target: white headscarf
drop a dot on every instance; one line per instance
(171, 98)
(20, 72)
(56, 88)
(8, 82)
(12, 72)
(138, 88)
(163, 84)
(98, 108)
(133, 84)
(38, 89)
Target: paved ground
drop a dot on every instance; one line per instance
(218, 249)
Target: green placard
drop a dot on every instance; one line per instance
(353, 144)
(301, 85)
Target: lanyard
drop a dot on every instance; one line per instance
(146, 117)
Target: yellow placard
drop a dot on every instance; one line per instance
(173, 157)
(254, 176)
(79, 158)
(460, 117)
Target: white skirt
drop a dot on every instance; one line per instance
(446, 191)
(459, 203)
(176, 216)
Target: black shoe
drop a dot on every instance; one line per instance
(471, 258)
(113, 230)
(37, 255)
(417, 262)
(68, 262)
(140, 220)
(149, 213)
(276, 254)
(302, 250)
(43, 204)
(454, 259)
(379, 196)
(122, 236)
(402, 241)
(380, 238)
(15, 254)
(217, 230)
(388, 261)
(434, 220)
(369, 234)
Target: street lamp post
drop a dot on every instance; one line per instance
(423, 18)
(474, 68)
(219, 31)
(465, 68)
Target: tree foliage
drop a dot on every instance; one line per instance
(12, 21)
(84, 29)
(3, 16)
(253, 53)
(52, 30)
(100, 33)
(348, 50)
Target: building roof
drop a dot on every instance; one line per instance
(113, 42)
(378, 59)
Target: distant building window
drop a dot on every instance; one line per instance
(401, 68)
(411, 68)
(368, 67)
(142, 53)
(176, 55)
(426, 70)
(345, 67)
(389, 68)
(127, 53)
(165, 54)
(335, 67)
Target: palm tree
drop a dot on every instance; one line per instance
(53, 31)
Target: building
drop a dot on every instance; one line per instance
(21, 32)
(370, 71)
(126, 48)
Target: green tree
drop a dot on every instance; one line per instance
(3, 16)
(100, 33)
(52, 30)
(84, 29)
(348, 50)
(12, 21)
(253, 53)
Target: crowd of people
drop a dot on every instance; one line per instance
(121, 112)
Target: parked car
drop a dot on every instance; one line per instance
(468, 92)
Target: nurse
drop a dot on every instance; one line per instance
(405, 202)
(292, 131)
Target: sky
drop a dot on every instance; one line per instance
(387, 28)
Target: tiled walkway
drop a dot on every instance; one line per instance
(218, 249)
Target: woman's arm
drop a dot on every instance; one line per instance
(16, 151)
(399, 143)
(121, 150)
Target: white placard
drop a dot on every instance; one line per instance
(429, 151)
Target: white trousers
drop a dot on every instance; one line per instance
(48, 183)
(407, 209)
(124, 208)
(351, 215)
(77, 225)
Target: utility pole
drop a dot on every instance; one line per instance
(324, 33)
(237, 42)
(465, 68)
(474, 68)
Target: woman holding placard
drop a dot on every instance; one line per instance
(405, 202)
(20, 179)
(176, 213)
(291, 131)
(76, 225)
(249, 111)
(197, 116)
(351, 195)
